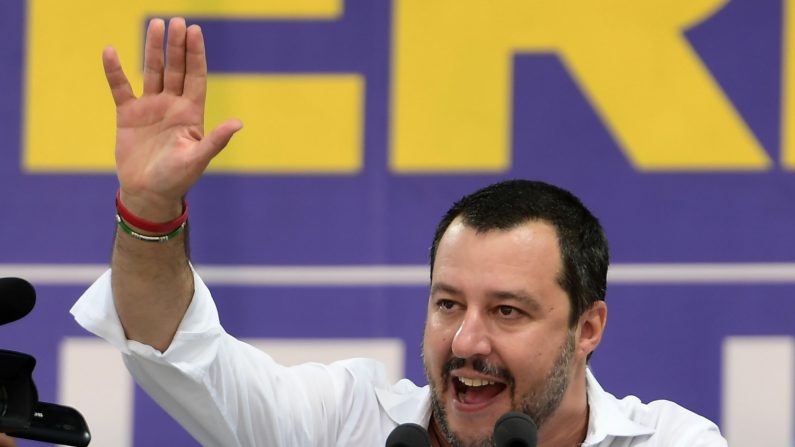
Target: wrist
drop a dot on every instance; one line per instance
(134, 223)
(150, 207)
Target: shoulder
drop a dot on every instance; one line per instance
(673, 424)
(362, 378)
(368, 397)
(630, 422)
(360, 372)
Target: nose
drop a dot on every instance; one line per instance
(472, 338)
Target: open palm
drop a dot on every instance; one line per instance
(161, 149)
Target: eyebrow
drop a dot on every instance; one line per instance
(527, 300)
(446, 288)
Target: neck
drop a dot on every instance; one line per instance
(437, 438)
(568, 436)
(568, 425)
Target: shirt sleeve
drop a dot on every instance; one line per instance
(226, 392)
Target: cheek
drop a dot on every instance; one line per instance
(439, 328)
(437, 341)
(530, 356)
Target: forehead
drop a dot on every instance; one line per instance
(524, 257)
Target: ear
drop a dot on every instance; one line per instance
(590, 328)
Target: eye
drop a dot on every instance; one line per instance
(446, 305)
(508, 311)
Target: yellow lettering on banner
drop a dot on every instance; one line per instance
(787, 93)
(452, 82)
(301, 123)
(309, 123)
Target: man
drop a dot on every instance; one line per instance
(516, 306)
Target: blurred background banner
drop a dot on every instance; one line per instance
(365, 120)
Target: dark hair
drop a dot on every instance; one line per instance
(583, 245)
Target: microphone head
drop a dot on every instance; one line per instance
(17, 298)
(409, 435)
(515, 429)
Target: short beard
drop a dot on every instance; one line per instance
(542, 401)
(539, 403)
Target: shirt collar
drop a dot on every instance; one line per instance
(404, 402)
(606, 417)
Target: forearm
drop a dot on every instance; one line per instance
(152, 287)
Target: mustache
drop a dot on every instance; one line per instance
(480, 365)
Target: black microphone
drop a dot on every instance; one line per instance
(17, 298)
(408, 435)
(515, 429)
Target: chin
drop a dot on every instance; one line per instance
(475, 434)
(474, 426)
(469, 424)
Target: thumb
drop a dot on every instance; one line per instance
(216, 141)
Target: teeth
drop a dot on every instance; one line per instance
(475, 382)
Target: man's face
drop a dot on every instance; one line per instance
(497, 337)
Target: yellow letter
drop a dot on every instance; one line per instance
(452, 82)
(294, 123)
(787, 93)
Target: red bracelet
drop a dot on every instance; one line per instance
(151, 227)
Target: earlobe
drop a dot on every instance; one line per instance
(591, 327)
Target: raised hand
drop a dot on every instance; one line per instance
(161, 149)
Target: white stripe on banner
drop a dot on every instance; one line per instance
(93, 379)
(411, 275)
(758, 391)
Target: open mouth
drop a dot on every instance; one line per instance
(476, 392)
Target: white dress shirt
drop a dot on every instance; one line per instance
(227, 393)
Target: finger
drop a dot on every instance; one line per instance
(216, 140)
(174, 75)
(153, 57)
(195, 66)
(120, 87)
